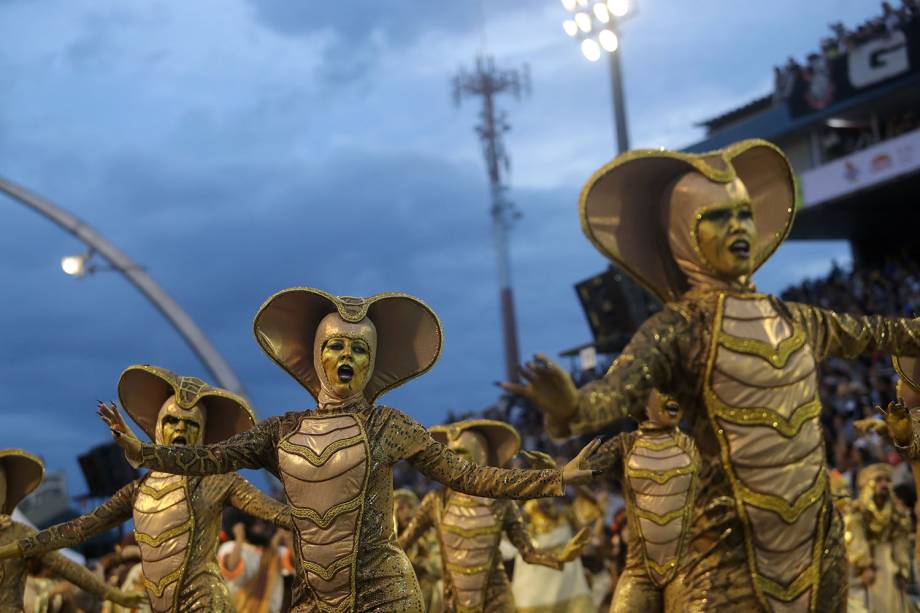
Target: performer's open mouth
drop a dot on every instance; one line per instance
(346, 373)
(180, 440)
(672, 409)
(741, 247)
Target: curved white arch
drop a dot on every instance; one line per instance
(180, 320)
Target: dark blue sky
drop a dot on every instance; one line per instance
(238, 147)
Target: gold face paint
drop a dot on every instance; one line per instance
(664, 410)
(726, 233)
(178, 426)
(346, 364)
(472, 446)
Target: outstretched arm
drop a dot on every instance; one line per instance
(443, 465)
(611, 452)
(88, 582)
(249, 499)
(254, 448)
(520, 537)
(647, 362)
(842, 335)
(422, 522)
(114, 511)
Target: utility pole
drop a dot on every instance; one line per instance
(487, 82)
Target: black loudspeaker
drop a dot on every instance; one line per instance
(106, 470)
(615, 307)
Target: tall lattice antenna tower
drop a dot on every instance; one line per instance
(487, 82)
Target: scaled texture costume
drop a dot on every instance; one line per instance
(659, 468)
(24, 472)
(335, 461)
(177, 519)
(741, 364)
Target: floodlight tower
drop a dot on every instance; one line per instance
(596, 24)
(487, 82)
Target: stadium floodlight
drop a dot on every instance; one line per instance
(601, 12)
(583, 21)
(570, 27)
(618, 8)
(74, 265)
(569, 5)
(608, 40)
(590, 49)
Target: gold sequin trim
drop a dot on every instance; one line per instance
(804, 581)
(326, 518)
(660, 477)
(326, 573)
(318, 460)
(471, 532)
(469, 570)
(789, 512)
(777, 357)
(762, 416)
(156, 541)
(661, 569)
(160, 586)
(661, 520)
(158, 494)
(646, 444)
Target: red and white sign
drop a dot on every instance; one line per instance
(880, 162)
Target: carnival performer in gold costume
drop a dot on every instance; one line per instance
(878, 534)
(176, 519)
(20, 473)
(424, 554)
(335, 461)
(693, 229)
(660, 466)
(469, 528)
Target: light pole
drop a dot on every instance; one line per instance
(80, 265)
(596, 25)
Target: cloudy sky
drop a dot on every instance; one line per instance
(238, 147)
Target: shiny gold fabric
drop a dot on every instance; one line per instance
(199, 587)
(382, 570)
(24, 472)
(671, 352)
(469, 530)
(659, 479)
(13, 571)
(324, 468)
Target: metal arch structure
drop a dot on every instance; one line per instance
(120, 262)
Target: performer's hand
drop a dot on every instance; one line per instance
(573, 473)
(574, 547)
(539, 459)
(897, 418)
(871, 424)
(129, 600)
(122, 434)
(549, 387)
(10, 550)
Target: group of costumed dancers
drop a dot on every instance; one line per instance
(730, 502)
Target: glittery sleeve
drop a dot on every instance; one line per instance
(901, 549)
(647, 362)
(412, 442)
(254, 448)
(79, 575)
(106, 516)
(847, 336)
(422, 522)
(520, 537)
(247, 498)
(608, 455)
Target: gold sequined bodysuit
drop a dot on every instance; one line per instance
(177, 524)
(469, 529)
(660, 467)
(337, 471)
(14, 570)
(742, 366)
